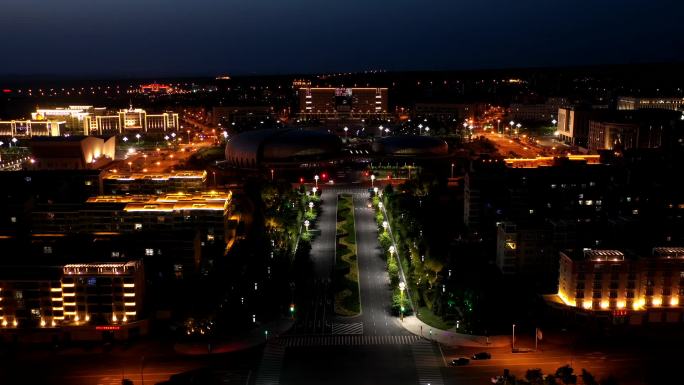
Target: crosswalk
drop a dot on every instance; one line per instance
(350, 328)
(271, 364)
(347, 340)
(427, 363)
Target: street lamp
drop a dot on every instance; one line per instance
(384, 225)
(311, 205)
(306, 224)
(392, 250)
(314, 190)
(137, 136)
(125, 139)
(380, 205)
(345, 133)
(316, 179)
(272, 171)
(452, 171)
(373, 180)
(420, 129)
(375, 190)
(402, 286)
(427, 130)
(513, 339)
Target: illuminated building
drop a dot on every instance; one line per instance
(29, 294)
(132, 120)
(153, 183)
(209, 214)
(71, 153)
(76, 295)
(155, 88)
(610, 281)
(638, 103)
(23, 128)
(103, 293)
(89, 120)
(334, 103)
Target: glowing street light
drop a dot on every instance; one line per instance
(372, 180)
(427, 130)
(384, 225)
(420, 129)
(392, 250)
(375, 190)
(345, 132)
(306, 224)
(314, 190)
(125, 139)
(452, 171)
(316, 179)
(137, 136)
(402, 287)
(311, 205)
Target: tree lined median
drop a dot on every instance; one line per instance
(346, 278)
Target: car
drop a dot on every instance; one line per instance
(482, 356)
(460, 361)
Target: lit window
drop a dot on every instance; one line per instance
(138, 226)
(13, 219)
(47, 249)
(149, 252)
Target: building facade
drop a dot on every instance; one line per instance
(333, 103)
(638, 103)
(608, 281)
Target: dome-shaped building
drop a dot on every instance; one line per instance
(259, 148)
(410, 146)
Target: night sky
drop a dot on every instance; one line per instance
(208, 37)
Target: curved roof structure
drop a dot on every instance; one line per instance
(253, 149)
(411, 145)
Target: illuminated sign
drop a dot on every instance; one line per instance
(107, 327)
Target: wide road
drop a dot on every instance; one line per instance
(371, 348)
(376, 295)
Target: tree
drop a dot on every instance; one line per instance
(534, 376)
(588, 378)
(565, 374)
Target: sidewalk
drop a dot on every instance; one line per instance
(254, 338)
(451, 337)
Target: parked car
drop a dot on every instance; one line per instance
(482, 356)
(460, 361)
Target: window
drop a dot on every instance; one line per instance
(92, 281)
(149, 252)
(13, 219)
(137, 226)
(47, 249)
(115, 254)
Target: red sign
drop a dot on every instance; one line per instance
(107, 327)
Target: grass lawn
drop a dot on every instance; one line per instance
(426, 315)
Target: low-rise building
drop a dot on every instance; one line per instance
(118, 182)
(610, 282)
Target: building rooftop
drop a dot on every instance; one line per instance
(547, 161)
(102, 268)
(668, 252)
(124, 176)
(208, 200)
(604, 255)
